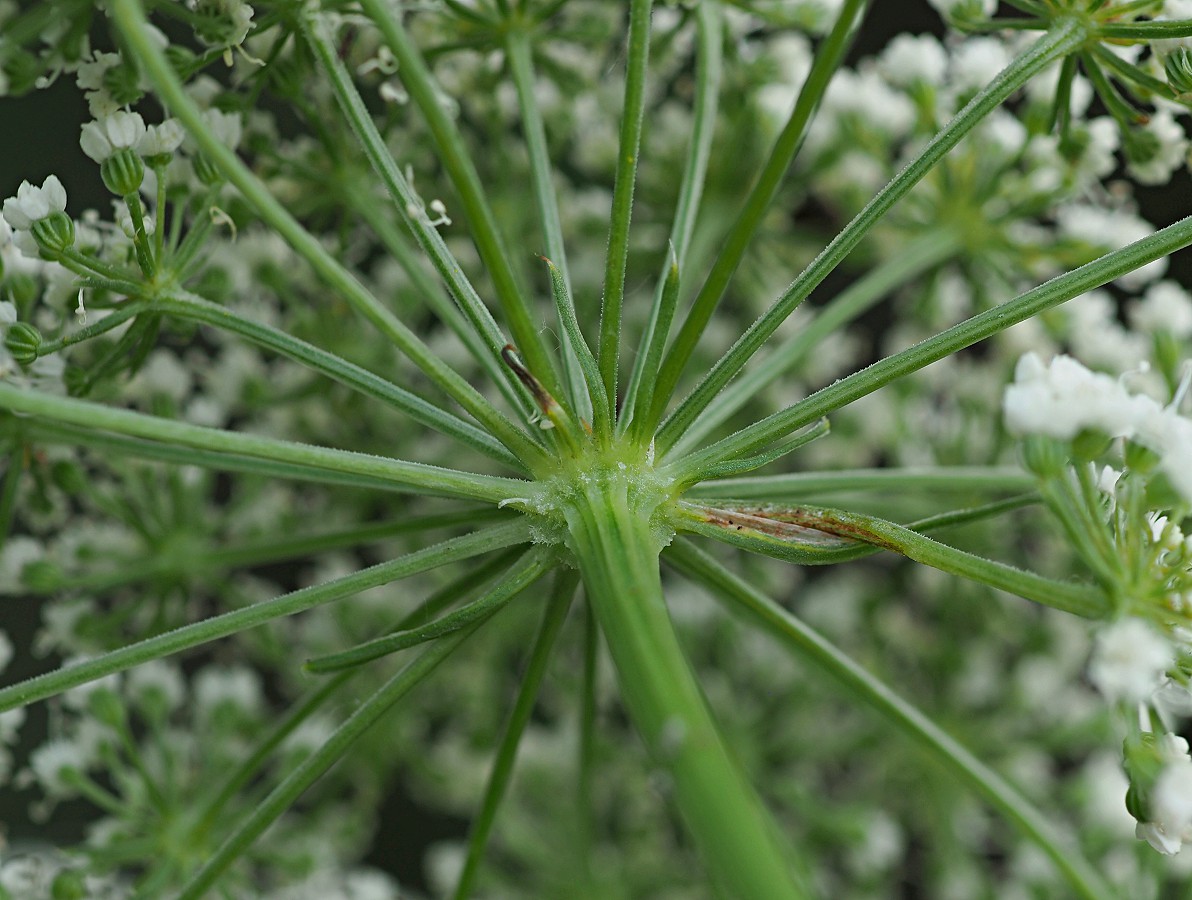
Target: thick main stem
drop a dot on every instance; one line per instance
(617, 549)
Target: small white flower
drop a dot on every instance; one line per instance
(1129, 660)
(32, 204)
(985, 8)
(162, 139)
(1110, 229)
(914, 59)
(1107, 480)
(18, 552)
(1168, 149)
(1165, 307)
(52, 762)
(90, 79)
(119, 131)
(227, 127)
(976, 62)
(222, 687)
(157, 682)
(1063, 398)
(10, 724)
(1171, 807)
(1173, 10)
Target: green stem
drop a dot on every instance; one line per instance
(17, 458)
(78, 436)
(521, 68)
(130, 21)
(1067, 35)
(417, 478)
(453, 550)
(141, 244)
(240, 776)
(907, 719)
(188, 306)
(82, 264)
(617, 554)
(794, 532)
(318, 763)
(662, 315)
(797, 485)
(209, 814)
(1144, 31)
(519, 576)
(159, 233)
(708, 69)
(408, 203)
(628, 146)
(921, 255)
(965, 334)
(263, 552)
(114, 319)
(453, 155)
(586, 752)
(1117, 105)
(519, 717)
(589, 369)
(1131, 73)
(364, 204)
(828, 58)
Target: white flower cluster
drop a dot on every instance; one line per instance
(31, 205)
(1062, 398)
(1130, 661)
(1170, 823)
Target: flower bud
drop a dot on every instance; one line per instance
(1044, 456)
(123, 172)
(106, 707)
(69, 885)
(206, 171)
(41, 576)
(1178, 67)
(1140, 146)
(1140, 459)
(23, 342)
(53, 234)
(21, 288)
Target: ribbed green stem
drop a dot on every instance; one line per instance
(965, 334)
(519, 717)
(453, 550)
(1066, 36)
(80, 436)
(406, 201)
(908, 263)
(521, 67)
(637, 57)
(708, 68)
(364, 204)
(130, 20)
(416, 478)
(907, 719)
(828, 57)
(796, 485)
(188, 306)
(316, 765)
(618, 560)
(799, 534)
(453, 154)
